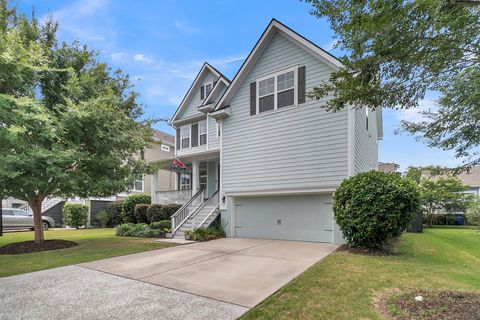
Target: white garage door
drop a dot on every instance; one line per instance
(303, 218)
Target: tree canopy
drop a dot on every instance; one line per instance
(69, 125)
(398, 51)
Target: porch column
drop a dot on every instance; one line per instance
(194, 177)
(154, 186)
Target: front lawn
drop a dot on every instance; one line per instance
(344, 285)
(94, 244)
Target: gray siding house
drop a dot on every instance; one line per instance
(261, 154)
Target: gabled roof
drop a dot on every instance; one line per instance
(163, 136)
(205, 68)
(273, 27)
(215, 89)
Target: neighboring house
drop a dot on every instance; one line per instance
(262, 154)
(161, 181)
(388, 166)
(472, 180)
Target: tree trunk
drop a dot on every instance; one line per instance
(36, 206)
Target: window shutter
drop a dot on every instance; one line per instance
(253, 98)
(178, 139)
(301, 84)
(202, 93)
(195, 135)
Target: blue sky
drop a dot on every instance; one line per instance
(162, 45)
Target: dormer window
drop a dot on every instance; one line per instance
(205, 90)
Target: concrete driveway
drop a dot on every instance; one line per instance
(220, 279)
(240, 271)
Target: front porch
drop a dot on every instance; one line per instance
(202, 173)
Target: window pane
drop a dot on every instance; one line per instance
(138, 186)
(285, 98)
(202, 170)
(203, 139)
(202, 126)
(208, 88)
(285, 81)
(265, 87)
(185, 181)
(186, 143)
(266, 103)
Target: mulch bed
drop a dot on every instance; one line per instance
(391, 248)
(446, 304)
(31, 246)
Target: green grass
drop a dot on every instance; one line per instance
(94, 244)
(344, 285)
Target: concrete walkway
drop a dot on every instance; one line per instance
(235, 270)
(219, 279)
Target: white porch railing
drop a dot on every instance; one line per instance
(187, 210)
(46, 204)
(208, 209)
(173, 196)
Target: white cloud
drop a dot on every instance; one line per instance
(226, 61)
(142, 58)
(185, 27)
(85, 20)
(414, 114)
(118, 56)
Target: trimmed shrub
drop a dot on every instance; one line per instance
(138, 230)
(473, 219)
(114, 211)
(128, 208)
(140, 213)
(163, 224)
(155, 213)
(102, 218)
(210, 233)
(169, 210)
(75, 214)
(374, 207)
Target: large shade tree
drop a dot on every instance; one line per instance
(69, 125)
(397, 51)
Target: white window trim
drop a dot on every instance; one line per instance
(182, 128)
(205, 95)
(199, 132)
(275, 91)
(164, 147)
(143, 186)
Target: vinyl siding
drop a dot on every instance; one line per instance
(366, 147)
(294, 148)
(191, 108)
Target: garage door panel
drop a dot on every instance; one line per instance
(304, 218)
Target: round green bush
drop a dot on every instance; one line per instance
(114, 211)
(128, 208)
(163, 224)
(155, 213)
(374, 207)
(75, 214)
(102, 218)
(169, 210)
(140, 213)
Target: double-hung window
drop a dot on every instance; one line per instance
(276, 91)
(185, 136)
(202, 132)
(207, 88)
(138, 186)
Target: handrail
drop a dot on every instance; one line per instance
(212, 199)
(188, 203)
(208, 216)
(185, 212)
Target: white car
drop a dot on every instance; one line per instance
(13, 218)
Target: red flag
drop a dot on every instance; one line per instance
(179, 164)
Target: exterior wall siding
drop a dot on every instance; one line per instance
(365, 143)
(191, 109)
(295, 148)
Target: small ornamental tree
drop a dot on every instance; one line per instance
(128, 208)
(75, 214)
(69, 125)
(373, 207)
